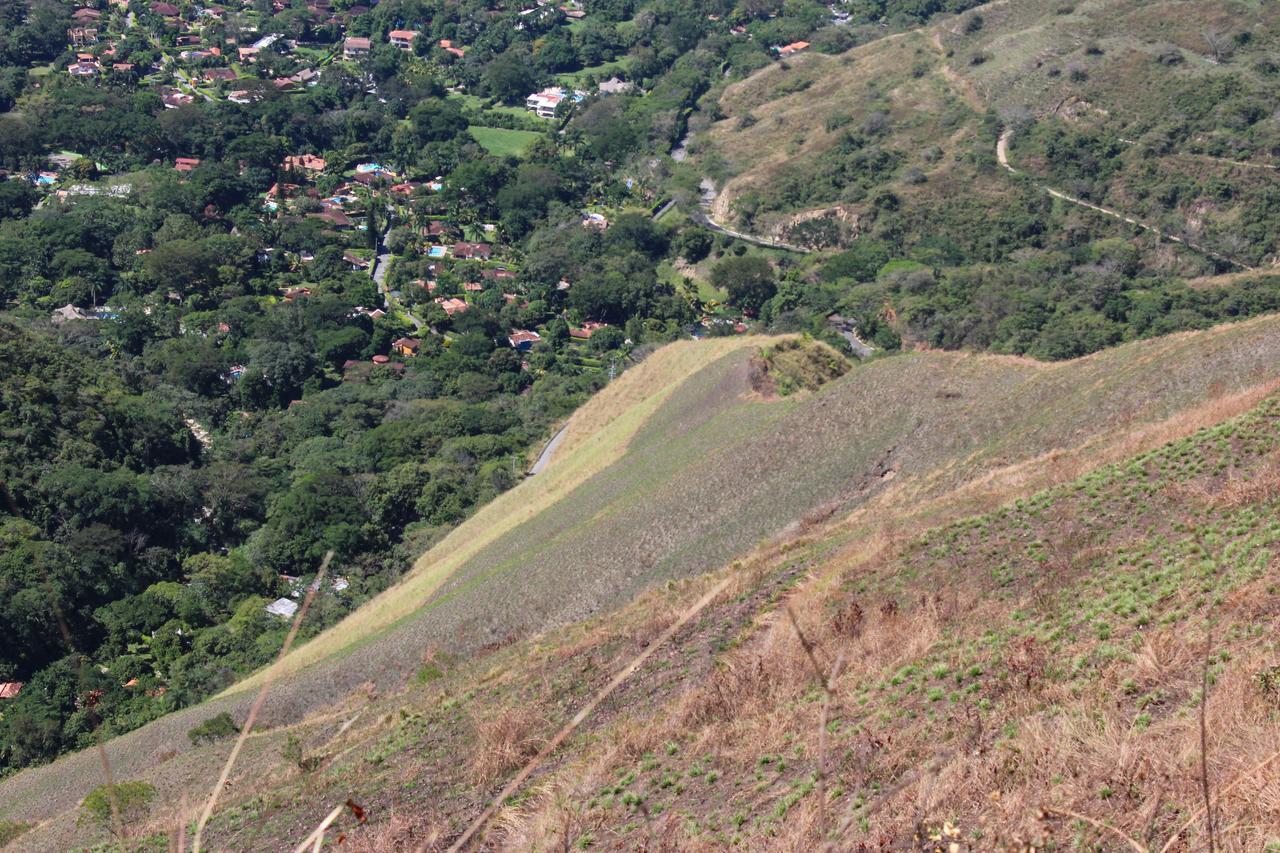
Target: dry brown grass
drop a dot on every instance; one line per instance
(504, 739)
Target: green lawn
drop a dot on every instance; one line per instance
(502, 142)
(602, 71)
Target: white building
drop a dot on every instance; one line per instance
(544, 103)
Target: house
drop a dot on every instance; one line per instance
(498, 274)
(217, 75)
(614, 86)
(356, 262)
(83, 69)
(407, 347)
(355, 47)
(523, 339)
(437, 229)
(85, 17)
(452, 305)
(791, 49)
(69, 312)
(473, 287)
(186, 164)
(79, 36)
(296, 293)
(165, 10)
(335, 216)
(187, 40)
(283, 83)
(449, 47)
(123, 68)
(472, 251)
(544, 103)
(402, 39)
(175, 99)
(586, 331)
(304, 163)
(282, 607)
(248, 54)
(10, 689)
(594, 220)
(240, 96)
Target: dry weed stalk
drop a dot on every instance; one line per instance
(478, 825)
(828, 687)
(258, 702)
(1204, 740)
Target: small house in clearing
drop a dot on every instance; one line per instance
(523, 339)
(407, 347)
(10, 689)
(284, 608)
(472, 251)
(452, 305)
(402, 39)
(586, 330)
(355, 47)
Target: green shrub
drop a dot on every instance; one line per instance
(133, 799)
(11, 829)
(214, 728)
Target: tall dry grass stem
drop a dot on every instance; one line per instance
(827, 680)
(258, 702)
(478, 825)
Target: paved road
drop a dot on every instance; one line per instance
(1002, 154)
(544, 458)
(381, 265)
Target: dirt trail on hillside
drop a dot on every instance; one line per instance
(963, 86)
(1002, 154)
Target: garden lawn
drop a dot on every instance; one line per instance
(502, 142)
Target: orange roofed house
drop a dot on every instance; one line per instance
(407, 347)
(355, 47)
(452, 305)
(402, 39)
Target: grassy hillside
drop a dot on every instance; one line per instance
(420, 707)
(1158, 111)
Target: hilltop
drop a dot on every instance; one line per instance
(420, 711)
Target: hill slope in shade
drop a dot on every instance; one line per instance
(709, 471)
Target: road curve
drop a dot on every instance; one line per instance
(544, 458)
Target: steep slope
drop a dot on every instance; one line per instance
(709, 471)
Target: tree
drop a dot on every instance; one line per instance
(437, 120)
(509, 77)
(748, 280)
